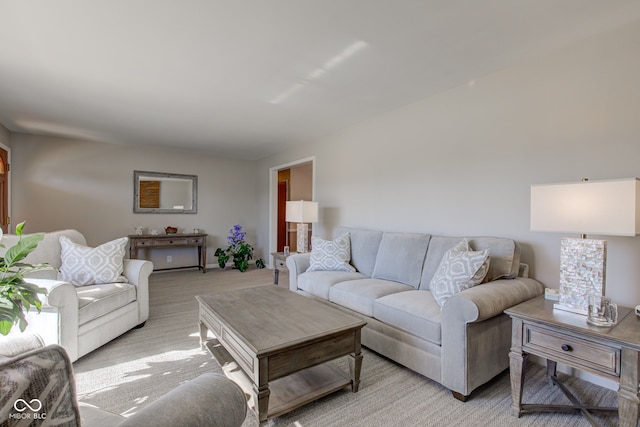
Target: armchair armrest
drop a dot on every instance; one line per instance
(19, 343)
(137, 272)
(297, 264)
(59, 307)
(208, 400)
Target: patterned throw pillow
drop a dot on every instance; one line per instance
(83, 266)
(37, 388)
(331, 255)
(460, 269)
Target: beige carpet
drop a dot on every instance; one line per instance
(143, 364)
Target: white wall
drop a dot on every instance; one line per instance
(5, 136)
(462, 162)
(60, 183)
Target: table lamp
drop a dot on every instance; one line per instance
(302, 212)
(610, 208)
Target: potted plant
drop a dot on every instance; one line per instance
(239, 251)
(17, 296)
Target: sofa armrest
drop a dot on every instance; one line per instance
(208, 400)
(137, 272)
(490, 299)
(19, 343)
(297, 264)
(59, 307)
(475, 336)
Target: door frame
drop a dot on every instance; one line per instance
(273, 198)
(8, 150)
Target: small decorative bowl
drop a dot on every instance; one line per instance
(171, 230)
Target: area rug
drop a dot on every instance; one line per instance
(143, 364)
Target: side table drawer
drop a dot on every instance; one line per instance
(570, 349)
(281, 264)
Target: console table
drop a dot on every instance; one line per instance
(199, 240)
(564, 337)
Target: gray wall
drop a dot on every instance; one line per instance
(462, 162)
(5, 136)
(60, 183)
(458, 163)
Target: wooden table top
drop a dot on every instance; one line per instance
(540, 310)
(270, 318)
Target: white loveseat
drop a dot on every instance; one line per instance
(81, 319)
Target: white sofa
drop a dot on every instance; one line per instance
(81, 319)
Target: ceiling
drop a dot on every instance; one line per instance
(248, 79)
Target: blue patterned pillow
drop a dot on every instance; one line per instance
(460, 269)
(331, 255)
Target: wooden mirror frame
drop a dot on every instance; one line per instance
(139, 176)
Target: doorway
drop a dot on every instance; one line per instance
(293, 181)
(4, 189)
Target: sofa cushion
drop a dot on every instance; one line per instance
(415, 312)
(47, 251)
(459, 269)
(401, 257)
(505, 257)
(364, 248)
(82, 265)
(359, 295)
(330, 255)
(318, 283)
(97, 300)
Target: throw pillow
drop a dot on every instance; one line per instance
(36, 385)
(83, 266)
(331, 255)
(460, 269)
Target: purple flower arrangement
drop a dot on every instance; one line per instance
(239, 251)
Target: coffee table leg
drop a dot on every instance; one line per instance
(261, 397)
(355, 365)
(203, 335)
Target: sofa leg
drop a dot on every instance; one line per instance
(140, 325)
(461, 397)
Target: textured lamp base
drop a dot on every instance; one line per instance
(582, 273)
(303, 237)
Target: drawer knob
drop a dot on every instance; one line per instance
(566, 347)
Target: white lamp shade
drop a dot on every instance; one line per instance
(302, 211)
(594, 207)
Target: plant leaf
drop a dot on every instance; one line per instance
(20, 250)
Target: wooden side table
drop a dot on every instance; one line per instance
(279, 264)
(564, 337)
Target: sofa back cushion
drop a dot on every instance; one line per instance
(401, 257)
(504, 253)
(364, 248)
(48, 250)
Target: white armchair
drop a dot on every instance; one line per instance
(81, 319)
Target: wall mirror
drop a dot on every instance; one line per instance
(158, 192)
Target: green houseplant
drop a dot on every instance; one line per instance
(238, 250)
(17, 296)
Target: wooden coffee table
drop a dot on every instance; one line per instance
(281, 341)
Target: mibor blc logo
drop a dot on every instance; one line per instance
(33, 407)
